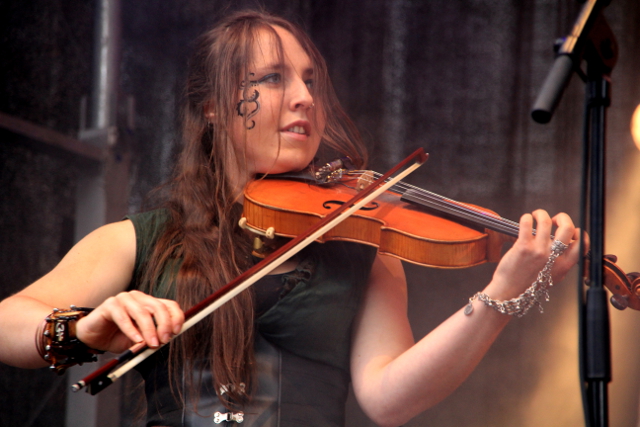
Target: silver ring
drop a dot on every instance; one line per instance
(558, 247)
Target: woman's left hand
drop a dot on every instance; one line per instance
(520, 266)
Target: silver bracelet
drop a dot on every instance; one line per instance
(532, 296)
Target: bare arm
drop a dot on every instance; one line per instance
(395, 379)
(95, 273)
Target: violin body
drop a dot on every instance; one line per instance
(395, 227)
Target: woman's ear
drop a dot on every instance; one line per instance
(209, 113)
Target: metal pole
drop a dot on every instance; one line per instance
(92, 198)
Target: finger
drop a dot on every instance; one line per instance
(167, 316)
(177, 315)
(566, 231)
(587, 242)
(137, 307)
(114, 310)
(543, 227)
(161, 320)
(526, 228)
(573, 252)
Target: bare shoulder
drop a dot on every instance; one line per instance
(98, 266)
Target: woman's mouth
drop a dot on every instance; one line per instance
(297, 129)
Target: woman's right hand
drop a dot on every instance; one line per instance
(96, 272)
(128, 318)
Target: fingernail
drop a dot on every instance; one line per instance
(154, 342)
(166, 338)
(138, 338)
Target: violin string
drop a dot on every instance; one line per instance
(463, 210)
(471, 214)
(449, 205)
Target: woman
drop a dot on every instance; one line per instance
(259, 101)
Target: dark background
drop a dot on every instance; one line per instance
(457, 77)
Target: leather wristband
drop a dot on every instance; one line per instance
(57, 343)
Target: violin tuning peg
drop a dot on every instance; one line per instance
(619, 301)
(633, 276)
(636, 287)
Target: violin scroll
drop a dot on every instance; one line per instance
(625, 288)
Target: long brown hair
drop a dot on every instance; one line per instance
(202, 235)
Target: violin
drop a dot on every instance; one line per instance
(406, 222)
(398, 224)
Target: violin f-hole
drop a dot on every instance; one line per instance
(371, 207)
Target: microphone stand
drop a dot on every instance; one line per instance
(591, 40)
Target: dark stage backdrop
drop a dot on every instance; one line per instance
(457, 77)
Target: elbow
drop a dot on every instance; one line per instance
(385, 414)
(389, 410)
(386, 422)
(389, 418)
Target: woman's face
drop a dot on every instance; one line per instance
(274, 128)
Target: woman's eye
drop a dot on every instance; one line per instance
(271, 78)
(309, 83)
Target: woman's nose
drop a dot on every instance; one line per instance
(300, 96)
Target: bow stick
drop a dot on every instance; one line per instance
(107, 374)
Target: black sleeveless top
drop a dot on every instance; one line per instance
(302, 345)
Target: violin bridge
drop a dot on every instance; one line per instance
(365, 180)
